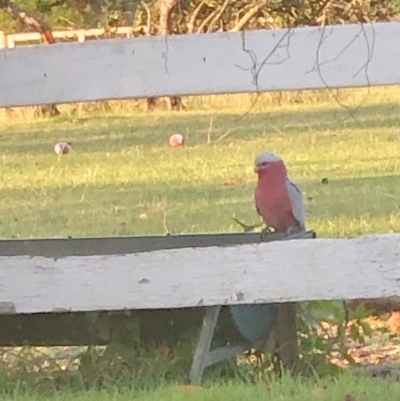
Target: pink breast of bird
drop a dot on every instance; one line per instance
(273, 201)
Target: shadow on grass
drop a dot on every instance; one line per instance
(115, 133)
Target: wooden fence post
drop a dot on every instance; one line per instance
(3, 40)
(286, 333)
(10, 41)
(81, 36)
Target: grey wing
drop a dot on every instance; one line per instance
(296, 199)
(254, 322)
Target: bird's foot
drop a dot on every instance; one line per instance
(292, 231)
(265, 231)
(246, 228)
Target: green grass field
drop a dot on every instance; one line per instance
(122, 178)
(122, 170)
(344, 388)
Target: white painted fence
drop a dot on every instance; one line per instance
(11, 39)
(337, 56)
(233, 62)
(279, 271)
(289, 271)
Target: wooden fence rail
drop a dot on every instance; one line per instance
(12, 39)
(198, 271)
(273, 272)
(232, 62)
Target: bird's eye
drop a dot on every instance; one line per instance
(264, 164)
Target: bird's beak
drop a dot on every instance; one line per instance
(256, 169)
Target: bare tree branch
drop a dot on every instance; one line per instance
(148, 19)
(35, 23)
(166, 7)
(207, 20)
(248, 16)
(193, 17)
(218, 16)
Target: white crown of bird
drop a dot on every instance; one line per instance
(266, 157)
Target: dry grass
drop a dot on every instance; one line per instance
(239, 103)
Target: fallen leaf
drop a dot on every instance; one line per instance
(143, 216)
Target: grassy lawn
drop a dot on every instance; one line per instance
(345, 388)
(123, 178)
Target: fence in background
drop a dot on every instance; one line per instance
(211, 273)
(80, 35)
(199, 64)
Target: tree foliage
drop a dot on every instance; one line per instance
(196, 16)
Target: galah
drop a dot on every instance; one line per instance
(280, 203)
(62, 148)
(278, 200)
(176, 140)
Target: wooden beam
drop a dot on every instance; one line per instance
(3, 40)
(76, 328)
(69, 34)
(61, 247)
(286, 333)
(278, 271)
(336, 56)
